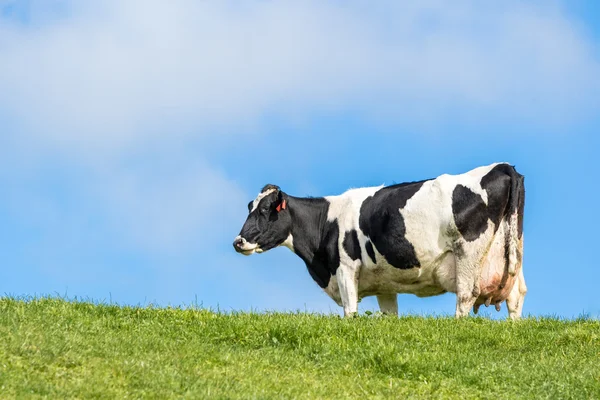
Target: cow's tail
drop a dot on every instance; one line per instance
(514, 217)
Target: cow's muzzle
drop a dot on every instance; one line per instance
(241, 245)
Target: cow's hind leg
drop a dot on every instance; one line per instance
(515, 300)
(466, 294)
(468, 268)
(388, 303)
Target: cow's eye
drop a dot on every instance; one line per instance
(264, 210)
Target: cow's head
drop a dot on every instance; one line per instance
(268, 224)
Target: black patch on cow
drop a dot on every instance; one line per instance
(326, 259)
(504, 182)
(370, 251)
(497, 185)
(315, 238)
(506, 194)
(352, 245)
(521, 200)
(470, 212)
(381, 221)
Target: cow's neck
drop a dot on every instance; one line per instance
(314, 238)
(309, 216)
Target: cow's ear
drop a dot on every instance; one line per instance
(281, 202)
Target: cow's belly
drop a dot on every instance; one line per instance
(435, 276)
(387, 279)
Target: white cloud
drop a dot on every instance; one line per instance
(111, 73)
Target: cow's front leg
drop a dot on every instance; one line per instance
(347, 278)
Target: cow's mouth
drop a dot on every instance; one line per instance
(248, 252)
(242, 246)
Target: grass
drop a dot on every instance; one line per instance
(53, 348)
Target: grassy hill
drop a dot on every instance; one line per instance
(57, 349)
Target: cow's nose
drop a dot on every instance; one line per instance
(238, 242)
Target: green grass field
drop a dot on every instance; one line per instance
(56, 349)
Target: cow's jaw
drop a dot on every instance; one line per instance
(256, 250)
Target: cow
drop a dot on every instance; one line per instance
(456, 233)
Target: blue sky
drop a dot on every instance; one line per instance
(133, 134)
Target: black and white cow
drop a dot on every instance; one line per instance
(456, 233)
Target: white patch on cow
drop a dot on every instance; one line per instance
(513, 227)
(289, 242)
(479, 172)
(346, 206)
(424, 213)
(333, 290)
(260, 197)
